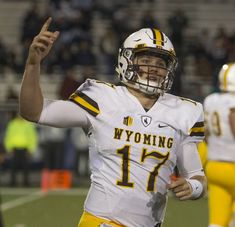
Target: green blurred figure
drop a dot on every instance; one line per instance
(20, 141)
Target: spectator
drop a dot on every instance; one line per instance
(3, 56)
(83, 53)
(80, 142)
(13, 63)
(148, 20)
(178, 22)
(231, 48)
(219, 54)
(52, 141)
(31, 23)
(68, 85)
(11, 95)
(201, 52)
(109, 44)
(20, 142)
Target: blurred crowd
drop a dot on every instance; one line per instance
(78, 47)
(78, 44)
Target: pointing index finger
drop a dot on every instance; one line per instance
(46, 25)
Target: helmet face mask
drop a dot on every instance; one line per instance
(147, 64)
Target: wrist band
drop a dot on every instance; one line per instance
(196, 186)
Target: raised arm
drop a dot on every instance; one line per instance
(31, 98)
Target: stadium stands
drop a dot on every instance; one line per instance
(201, 15)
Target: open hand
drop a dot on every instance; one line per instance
(42, 43)
(180, 187)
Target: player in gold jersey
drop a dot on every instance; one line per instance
(220, 168)
(138, 133)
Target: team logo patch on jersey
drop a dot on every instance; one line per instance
(128, 121)
(146, 120)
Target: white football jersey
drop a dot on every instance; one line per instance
(132, 151)
(221, 143)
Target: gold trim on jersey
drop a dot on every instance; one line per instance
(85, 103)
(105, 83)
(198, 129)
(90, 220)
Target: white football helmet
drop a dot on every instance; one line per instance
(150, 42)
(227, 78)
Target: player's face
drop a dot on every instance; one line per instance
(151, 68)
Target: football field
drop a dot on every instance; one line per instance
(33, 208)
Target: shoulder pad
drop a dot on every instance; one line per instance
(87, 96)
(187, 115)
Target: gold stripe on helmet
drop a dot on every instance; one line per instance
(158, 37)
(225, 81)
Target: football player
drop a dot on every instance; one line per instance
(220, 168)
(138, 133)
